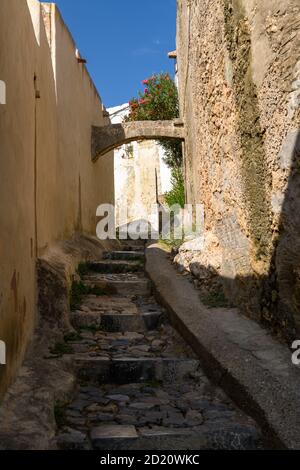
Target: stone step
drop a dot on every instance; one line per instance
(114, 323)
(140, 386)
(130, 242)
(115, 266)
(159, 416)
(134, 323)
(124, 255)
(117, 284)
(103, 370)
(122, 437)
(133, 245)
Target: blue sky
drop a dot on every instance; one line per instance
(124, 41)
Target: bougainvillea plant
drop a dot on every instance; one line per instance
(158, 102)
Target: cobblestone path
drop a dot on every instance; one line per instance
(139, 384)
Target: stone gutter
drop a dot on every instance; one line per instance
(236, 353)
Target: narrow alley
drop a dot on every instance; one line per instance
(139, 385)
(149, 230)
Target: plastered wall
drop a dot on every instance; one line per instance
(49, 187)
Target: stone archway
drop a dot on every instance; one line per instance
(111, 136)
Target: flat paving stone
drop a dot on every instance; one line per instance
(72, 439)
(142, 406)
(115, 266)
(119, 398)
(124, 255)
(111, 437)
(122, 322)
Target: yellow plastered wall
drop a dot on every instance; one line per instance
(49, 187)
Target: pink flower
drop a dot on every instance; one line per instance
(142, 101)
(145, 82)
(146, 91)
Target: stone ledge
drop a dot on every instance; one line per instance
(252, 367)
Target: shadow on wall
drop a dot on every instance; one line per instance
(50, 188)
(282, 287)
(274, 299)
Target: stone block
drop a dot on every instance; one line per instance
(110, 437)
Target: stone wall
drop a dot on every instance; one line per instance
(49, 188)
(239, 80)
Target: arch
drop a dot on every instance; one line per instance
(111, 136)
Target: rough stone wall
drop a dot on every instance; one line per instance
(239, 80)
(49, 186)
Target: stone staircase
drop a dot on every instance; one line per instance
(139, 385)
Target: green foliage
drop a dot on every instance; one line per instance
(83, 269)
(171, 243)
(78, 291)
(60, 349)
(177, 193)
(173, 153)
(159, 102)
(254, 169)
(152, 384)
(60, 414)
(96, 291)
(72, 337)
(215, 300)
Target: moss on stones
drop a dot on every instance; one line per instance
(254, 171)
